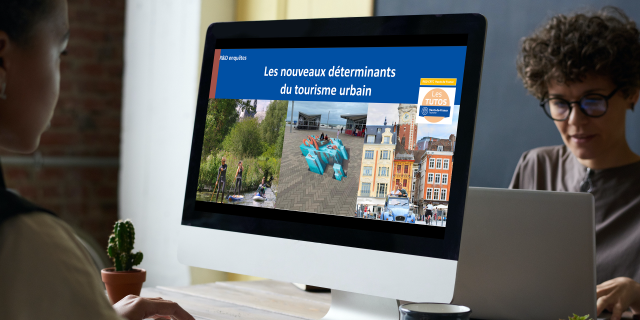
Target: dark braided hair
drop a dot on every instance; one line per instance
(19, 17)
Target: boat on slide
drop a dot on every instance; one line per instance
(235, 198)
(258, 197)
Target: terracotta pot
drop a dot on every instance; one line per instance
(123, 283)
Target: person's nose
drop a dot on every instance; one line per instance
(577, 117)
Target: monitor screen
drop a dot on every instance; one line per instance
(357, 133)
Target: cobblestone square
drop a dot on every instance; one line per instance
(302, 190)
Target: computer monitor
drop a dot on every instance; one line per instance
(316, 145)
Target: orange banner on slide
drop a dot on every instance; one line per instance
(437, 82)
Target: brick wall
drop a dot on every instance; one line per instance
(86, 123)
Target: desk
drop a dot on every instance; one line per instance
(260, 300)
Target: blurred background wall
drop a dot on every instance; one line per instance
(74, 172)
(159, 96)
(509, 120)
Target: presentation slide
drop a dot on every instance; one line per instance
(357, 132)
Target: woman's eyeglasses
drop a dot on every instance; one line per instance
(592, 105)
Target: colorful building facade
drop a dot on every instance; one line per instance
(402, 170)
(377, 164)
(437, 167)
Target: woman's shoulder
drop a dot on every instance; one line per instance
(548, 154)
(37, 228)
(546, 168)
(32, 221)
(42, 260)
(40, 240)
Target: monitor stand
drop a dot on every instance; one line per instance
(355, 306)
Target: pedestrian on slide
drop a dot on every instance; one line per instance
(239, 178)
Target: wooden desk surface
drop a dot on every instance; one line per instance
(259, 300)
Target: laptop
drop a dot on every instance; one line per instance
(527, 255)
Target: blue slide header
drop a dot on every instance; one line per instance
(379, 74)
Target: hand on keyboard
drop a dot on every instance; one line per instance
(617, 296)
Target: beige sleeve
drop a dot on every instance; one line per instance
(45, 272)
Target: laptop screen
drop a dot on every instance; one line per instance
(360, 128)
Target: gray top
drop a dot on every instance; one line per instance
(617, 204)
(222, 173)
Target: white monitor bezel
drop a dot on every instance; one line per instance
(383, 273)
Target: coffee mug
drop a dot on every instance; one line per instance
(433, 311)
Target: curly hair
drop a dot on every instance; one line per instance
(568, 48)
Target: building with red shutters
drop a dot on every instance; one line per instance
(402, 170)
(437, 167)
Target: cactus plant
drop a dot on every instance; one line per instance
(120, 246)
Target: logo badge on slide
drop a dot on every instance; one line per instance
(436, 105)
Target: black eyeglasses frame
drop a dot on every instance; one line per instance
(579, 103)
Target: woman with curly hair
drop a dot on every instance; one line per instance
(45, 272)
(585, 69)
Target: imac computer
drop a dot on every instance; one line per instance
(316, 145)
